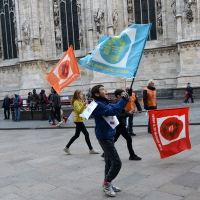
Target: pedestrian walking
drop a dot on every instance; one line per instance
(121, 128)
(79, 105)
(56, 103)
(189, 91)
(105, 135)
(6, 106)
(149, 99)
(17, 102)
(133, 100)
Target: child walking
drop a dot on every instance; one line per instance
(105, 135)
(79, 105)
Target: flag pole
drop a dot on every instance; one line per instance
(132, 83)
(82, 87)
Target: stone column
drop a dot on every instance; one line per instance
(89, 26)
(34, 28)
(179, 20)
(109, 11)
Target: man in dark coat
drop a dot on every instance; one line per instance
(6, 106)
(189, 89)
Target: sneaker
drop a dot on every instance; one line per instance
(67, 151)
(54, 123)
(93, 151)
(132, 134)
(135, 157)
(108, 189)
(65, 119)
(115, 188)
(51, 123)
(60, 123)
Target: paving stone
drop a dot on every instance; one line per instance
(193, 196)
(34, 190)
(175, 189)
(12, 197)
(157, 195)
(139, 190)
(7, 190)
(189, 179)
(39, 168)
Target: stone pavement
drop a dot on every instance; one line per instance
(140, 119)
(33, 165)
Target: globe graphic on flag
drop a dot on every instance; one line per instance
(114, 49)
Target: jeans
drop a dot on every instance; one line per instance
(121, 130)
(130, 124)
(17, 113)
(112, 160)
(80, 127)
(51, 116)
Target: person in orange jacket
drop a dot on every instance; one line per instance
(131, 107)
(149, 99)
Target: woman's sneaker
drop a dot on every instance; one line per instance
(108, 189)
(67, 151)
(93, 151)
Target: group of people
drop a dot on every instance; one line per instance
(122, 107)
(53, 101)
(16, 102)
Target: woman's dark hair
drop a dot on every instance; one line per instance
(118, 92)
(95, 90)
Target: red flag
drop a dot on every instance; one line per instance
(65, 71)
(170, 130)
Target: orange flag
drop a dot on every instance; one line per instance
(170, 130)
(65, 71)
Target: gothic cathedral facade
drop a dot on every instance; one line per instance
(35, 34)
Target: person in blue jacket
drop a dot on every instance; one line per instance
(105, 135)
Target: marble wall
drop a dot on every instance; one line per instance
(172, 60)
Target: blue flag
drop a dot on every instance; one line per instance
(119, 55)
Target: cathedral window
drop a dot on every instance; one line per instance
(145, 13)
(69, 24)
(7, 33)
